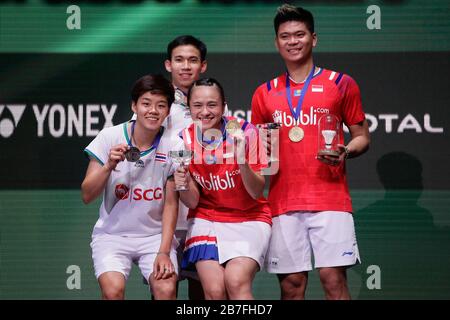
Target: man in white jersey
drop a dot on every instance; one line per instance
(186, 60)
(129, 164)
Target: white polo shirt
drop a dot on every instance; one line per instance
(133, 198)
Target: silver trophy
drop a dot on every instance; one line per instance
(183, 157)
(328, 137)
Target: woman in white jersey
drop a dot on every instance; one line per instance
(129, 164)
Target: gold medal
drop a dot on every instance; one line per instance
(233, 127)
(296, 134)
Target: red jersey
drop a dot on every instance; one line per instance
(303, 183)
(223, 197)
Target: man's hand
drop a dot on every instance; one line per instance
(335, 160)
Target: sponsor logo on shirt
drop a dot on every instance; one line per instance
(277, 116)
(148, 194)
(305, 118)
(122, 193)
(139, 164)
(273, 262)
(217, 182)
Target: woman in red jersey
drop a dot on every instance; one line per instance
(229, 220)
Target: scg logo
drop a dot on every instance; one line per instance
(148, 195)
(122, 193)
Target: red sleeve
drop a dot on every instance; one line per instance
(352, 110)
(258, 105)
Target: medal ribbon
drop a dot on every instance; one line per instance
(296, 113)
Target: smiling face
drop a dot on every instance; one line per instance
(206, 105)
(295, 42)
(185, 66)
(151, 109)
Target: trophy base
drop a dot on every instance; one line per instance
(332, 153)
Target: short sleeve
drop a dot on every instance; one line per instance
(99, 148)
(351, 101)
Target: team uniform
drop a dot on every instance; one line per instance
(227, 222)
(309, 199)
(130, 224)
(179, 119)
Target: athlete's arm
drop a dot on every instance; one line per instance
(97, 175)
(359, 132)
(253, 182)
(246, 150)
(169, 221)
(360, 141)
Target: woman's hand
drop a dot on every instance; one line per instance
(163, 267)
(181, 177)
(116, 155)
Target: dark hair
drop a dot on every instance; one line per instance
(206, 82)
(184, 41)
(289, 12)
(156, 84)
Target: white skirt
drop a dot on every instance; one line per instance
(221, 241)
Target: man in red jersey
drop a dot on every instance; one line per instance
(309, 197)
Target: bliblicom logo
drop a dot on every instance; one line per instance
(216, 182)
(10, 116)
